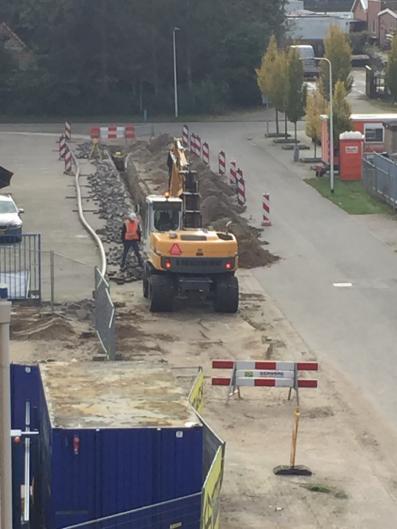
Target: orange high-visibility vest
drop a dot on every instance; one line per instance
(131, 230)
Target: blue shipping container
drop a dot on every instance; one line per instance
(115, 437)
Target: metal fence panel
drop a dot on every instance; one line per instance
(178, 513)
(20, 267)
(380, 177)
(105, 316)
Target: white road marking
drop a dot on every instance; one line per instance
(342, 285)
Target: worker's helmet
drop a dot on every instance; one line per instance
(132, 215)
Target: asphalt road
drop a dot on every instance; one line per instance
(321, 247)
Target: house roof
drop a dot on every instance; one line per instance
(387, 11)
(364, 4)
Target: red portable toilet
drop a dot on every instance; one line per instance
(350, 155)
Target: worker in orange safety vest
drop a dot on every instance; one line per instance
(130, 237)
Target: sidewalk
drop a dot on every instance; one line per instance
(47, 196)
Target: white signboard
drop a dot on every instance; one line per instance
(256, 373)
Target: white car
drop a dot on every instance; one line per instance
(10, 220)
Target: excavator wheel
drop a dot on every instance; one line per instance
(226, 295)
(161, 293)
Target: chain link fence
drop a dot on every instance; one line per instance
(65, 279)
(380, 177)
(105, 323)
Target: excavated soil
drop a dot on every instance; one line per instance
(147, 173)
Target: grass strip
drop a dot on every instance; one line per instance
(350, 196)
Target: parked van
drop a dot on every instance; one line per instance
(306, 53)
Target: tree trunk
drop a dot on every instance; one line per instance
(285, 126)
(277, 125)
(295, 133)
(315, 149)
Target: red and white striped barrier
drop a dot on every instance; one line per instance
(130, 132)
(185, 136)
(265, 373)
(221, 163)
(233, 174)
(265, 364)
(68, 161)
(241, 199)
(206, 153)
(254, 379)
(62, 147)
(266, 210)
(68, 131)
(113, 132)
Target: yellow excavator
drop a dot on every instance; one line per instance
(180, 255)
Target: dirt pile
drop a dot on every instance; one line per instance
(49, 328)
(148, 174)
(65, 324)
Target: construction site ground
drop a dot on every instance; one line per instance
(349, 448)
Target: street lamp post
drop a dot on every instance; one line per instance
(175, 76)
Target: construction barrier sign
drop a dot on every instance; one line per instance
(211, 493)
(196, 396)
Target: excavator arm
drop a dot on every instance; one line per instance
(177, 163)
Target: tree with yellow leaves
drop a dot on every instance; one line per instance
(315, 106)
(265, 75)
(338, 51)
(342, 112)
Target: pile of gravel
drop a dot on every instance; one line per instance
(113, 203)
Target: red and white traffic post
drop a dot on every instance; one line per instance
(68, 131)
(233, 174)
(185, 136)
(221, 163)
(62, 147)
(266, 210)
(68, 161)
(206, 153)
(193, 143)
(241, 198)
(198, 146)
